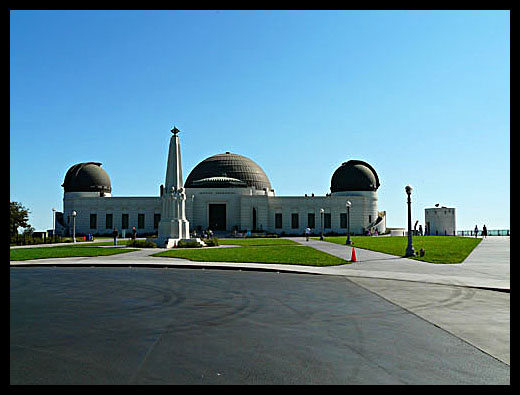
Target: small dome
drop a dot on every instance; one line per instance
(354, 175)
(227, 171)
(87, 177)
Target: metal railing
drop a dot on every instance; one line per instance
(494, 232)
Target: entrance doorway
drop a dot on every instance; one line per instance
(217, 217)
(254, 219)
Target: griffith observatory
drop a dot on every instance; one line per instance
(226, 192)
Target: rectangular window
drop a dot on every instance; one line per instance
(369, 219)
(311, 220)
(124, 221)
(140, 221)
(326, 221)
(156, 220)
(93, 221)
(343, 220)
(295, 221)
(108, 221)
(278, 220)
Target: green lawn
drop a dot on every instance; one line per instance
(283, 254)
(257, 242)
(89, 243)
(439, 249)
(22, 254)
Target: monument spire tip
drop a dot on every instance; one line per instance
(175, 130)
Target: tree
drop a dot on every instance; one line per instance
(19, 217)
(28, 231)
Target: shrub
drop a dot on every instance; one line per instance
(211, 242)
(188, 244)
(142, 244)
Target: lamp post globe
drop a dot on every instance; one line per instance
(322, 211)
(348, 204)
(409, 249)
(74, 226)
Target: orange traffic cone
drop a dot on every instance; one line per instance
(353, 258)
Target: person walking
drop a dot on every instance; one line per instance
(115, 234)
(134, 233)
(307, 233)
(476, 230)
(484, 231)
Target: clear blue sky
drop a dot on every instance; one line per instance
(423, 96)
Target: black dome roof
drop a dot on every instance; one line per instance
(354, 175)
(227, 171)
(87, 177)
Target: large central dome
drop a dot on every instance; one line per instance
(227, 171)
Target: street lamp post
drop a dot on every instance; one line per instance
(348, 222)
(74, 226)
(53, 222)
(321, 214)
(409, 248)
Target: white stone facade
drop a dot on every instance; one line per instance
(114, 206)
(239, 203)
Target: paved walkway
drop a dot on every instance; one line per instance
(487, 266)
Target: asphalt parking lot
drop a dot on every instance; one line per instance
(105, 325)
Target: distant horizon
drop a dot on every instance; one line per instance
(422, 96)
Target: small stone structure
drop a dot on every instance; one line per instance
(440, 221)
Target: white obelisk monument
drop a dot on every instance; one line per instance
(173, 225)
